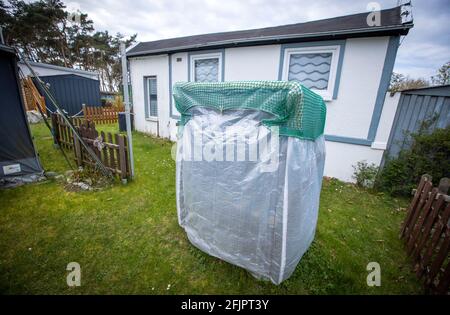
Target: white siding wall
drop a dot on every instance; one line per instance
(151, 66)
(386, 120)
(252, 63)
(348, 116)
(341, 156)
(179, 74)
(350, 113)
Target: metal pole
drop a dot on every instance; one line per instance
(126, 100)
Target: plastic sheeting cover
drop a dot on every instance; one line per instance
(255, 208)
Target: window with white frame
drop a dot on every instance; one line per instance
(314, 67)
(206, 67)
(152, 97)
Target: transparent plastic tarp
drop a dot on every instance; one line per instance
(246, 193)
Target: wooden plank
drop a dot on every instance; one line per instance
(413, 204)
(42, 104)
(417, 229)
(62, 131)
(105, 158)
(94, 135)
(127, 155)
(443, 186)
(122, 156)
(428, 225)
(58, 127)
(55, 127)
(417, 211)
(72, 142)
(78, 151)
(444, 281)
(439, 259)
(426, 258)
(68, 137)
(112, 160)
(66, 134)
(116, 139)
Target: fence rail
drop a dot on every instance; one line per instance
(111, 149)
(426, 232)
(102, 115)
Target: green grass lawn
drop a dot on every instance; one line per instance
(127, 239)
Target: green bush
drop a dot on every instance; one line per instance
(365, 174)
(429, 154)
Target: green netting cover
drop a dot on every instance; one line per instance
(297, 111)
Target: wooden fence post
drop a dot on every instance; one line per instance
(444, 184)
(112, 163)
(122, 158)
(127, 156)
(417, 196)
(77, 150)
(55, 130)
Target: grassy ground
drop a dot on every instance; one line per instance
(127, 239)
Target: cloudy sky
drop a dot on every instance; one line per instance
(421, 53)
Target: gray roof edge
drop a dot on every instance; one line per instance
(54, 67)
(433, 87)
(7, 48)
(373, 29)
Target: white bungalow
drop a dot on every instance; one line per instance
(346, 60)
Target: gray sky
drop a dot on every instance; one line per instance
(422, 52)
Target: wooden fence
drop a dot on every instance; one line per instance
(426, 232)
(102, 115)
(111, 149)
(63, 134)
(33, 99)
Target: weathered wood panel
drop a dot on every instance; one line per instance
(110, 148)
(426, 232)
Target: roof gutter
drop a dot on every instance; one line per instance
(404, 27)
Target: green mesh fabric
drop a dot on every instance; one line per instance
(296, 110)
